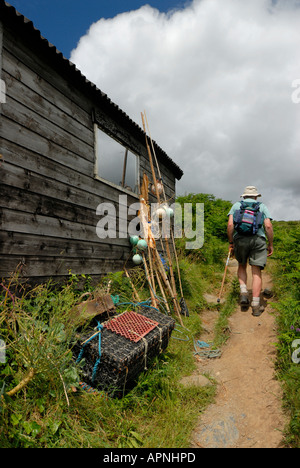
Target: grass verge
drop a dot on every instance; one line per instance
(286, 276)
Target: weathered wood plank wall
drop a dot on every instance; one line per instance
(49, 194)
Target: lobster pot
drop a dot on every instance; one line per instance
(128, 343)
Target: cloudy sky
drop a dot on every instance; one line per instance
(215, 78)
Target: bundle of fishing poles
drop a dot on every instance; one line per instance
(157, 261)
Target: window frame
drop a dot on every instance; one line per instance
(96, 162)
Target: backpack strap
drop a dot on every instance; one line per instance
(258, 218)
(238, 214)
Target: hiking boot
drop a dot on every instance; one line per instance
(244, 299)
(267, 293)
(257, 310)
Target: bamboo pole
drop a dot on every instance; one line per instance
(160, 286)
(153, 298)
(165, 199)
(162, 292)
(168, 286)
(151, 269)
(174, 292)
(132, 285)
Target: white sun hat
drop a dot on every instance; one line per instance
(251, 191)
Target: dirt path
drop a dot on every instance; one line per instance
(247, 412)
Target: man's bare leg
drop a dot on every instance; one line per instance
(257, 309)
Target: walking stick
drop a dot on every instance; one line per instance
(224, 276)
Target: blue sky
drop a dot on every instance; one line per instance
(63, 22)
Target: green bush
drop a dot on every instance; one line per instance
(215, 229)
(286, 280)
(38, 336)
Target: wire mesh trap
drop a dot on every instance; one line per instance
(113, 361)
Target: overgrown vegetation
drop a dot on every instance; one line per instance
(286, 278)
(51, 409)
(215, 229)
(47, 412)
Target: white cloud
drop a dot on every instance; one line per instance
(215, 80)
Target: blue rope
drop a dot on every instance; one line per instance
(115, 299)
(99, 327)
(205, 353)
(165, 265)
(135, 304)
(200, 344)
(180, 339)
(146, 304)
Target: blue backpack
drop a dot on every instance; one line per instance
(248, 219)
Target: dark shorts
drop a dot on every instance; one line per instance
(252, 248)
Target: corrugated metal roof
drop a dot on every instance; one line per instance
(25, 28)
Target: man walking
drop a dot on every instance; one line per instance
(249, 223)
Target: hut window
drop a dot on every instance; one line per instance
(116, 163)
